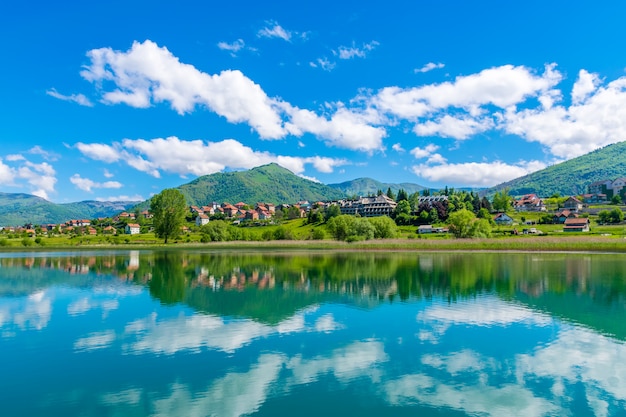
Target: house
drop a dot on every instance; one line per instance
(530, 202)
(202, 219)
(561, 216)
(109, 230)
(252, 215)
(91, 231)
(594, 198)
(600, 187)
(132, 229)
(576, 224)
(425, 229)
(503, 219)
(573, 204)
(618, 186)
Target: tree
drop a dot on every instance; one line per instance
(402, 195)
(463, 223)
(390, 194)
(616, 199)
(502, 200)
(614, 216)
(332, 211)
(168, 209)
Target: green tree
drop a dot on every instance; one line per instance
(402, 195)
(616, 199)
(169, 209)
(384, 227)
(390, 194)
(332, 211)
(461, 223)
(613, 216)
(502, 201)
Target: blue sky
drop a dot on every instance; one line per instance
(119, 100)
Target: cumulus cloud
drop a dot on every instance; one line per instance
(148, 74)
(274, 30)
(99, 151)
(76, 98)
(448, 126)
(596, 118)
(41, 178)
(482, 174)
(429, 67)
(198, 157)
(86, 184)
(398, 148)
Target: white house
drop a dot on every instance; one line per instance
(202, 219)
(132, 229)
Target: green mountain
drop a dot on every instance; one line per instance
(18, 209)
(368, 186)
(571, 177)
(268, 183)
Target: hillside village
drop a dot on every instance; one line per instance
(423, 210)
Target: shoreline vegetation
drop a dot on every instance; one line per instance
(579, 243)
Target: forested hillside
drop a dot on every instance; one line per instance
(571, 177)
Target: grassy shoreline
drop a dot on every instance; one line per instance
(512, 244)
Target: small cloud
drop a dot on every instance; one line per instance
(349, 52)
(76, 98)
(309, 178)
(135, 197)
(323, 63)
(15, 157)
(274, 30)
(425, 152)
(301, 144)
(233, 47)
(107, 174)
(397, 147)
(38, 150)
(429, 67)
(86, 184)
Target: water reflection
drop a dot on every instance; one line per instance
(173, 333)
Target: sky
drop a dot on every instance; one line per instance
(119, 100)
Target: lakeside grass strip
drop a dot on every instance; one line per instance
(514, 244)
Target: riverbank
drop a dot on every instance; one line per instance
(578, 243)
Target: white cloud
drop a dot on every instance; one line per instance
(41, 178)
(425, 152)
(349, 52)
(398, 148)
(76, 98)
(135, 197)
(480, 174)
(148, 74)
(502, 87)
(107, 174)
(274, 30)
(38, 150)
(233, 47)
(596, 118)
(198, 157)
(99, 152)
(86, 184)
(7, 174)
(459, 128)
(584, 86)
(32, 312)
(323, 63)
(429, 67)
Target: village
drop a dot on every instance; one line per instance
(522, 215)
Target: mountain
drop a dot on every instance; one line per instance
(571, 177)
(368, 186)
(18, 209)
(268, 183)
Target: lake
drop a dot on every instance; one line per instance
(210, 333)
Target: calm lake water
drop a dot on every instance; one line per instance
(369, 334)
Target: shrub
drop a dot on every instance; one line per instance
(4, 242)
(27, 242)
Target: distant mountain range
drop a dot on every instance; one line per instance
(368, 186)
(571, 177)
(275, 184)
(18, 209)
